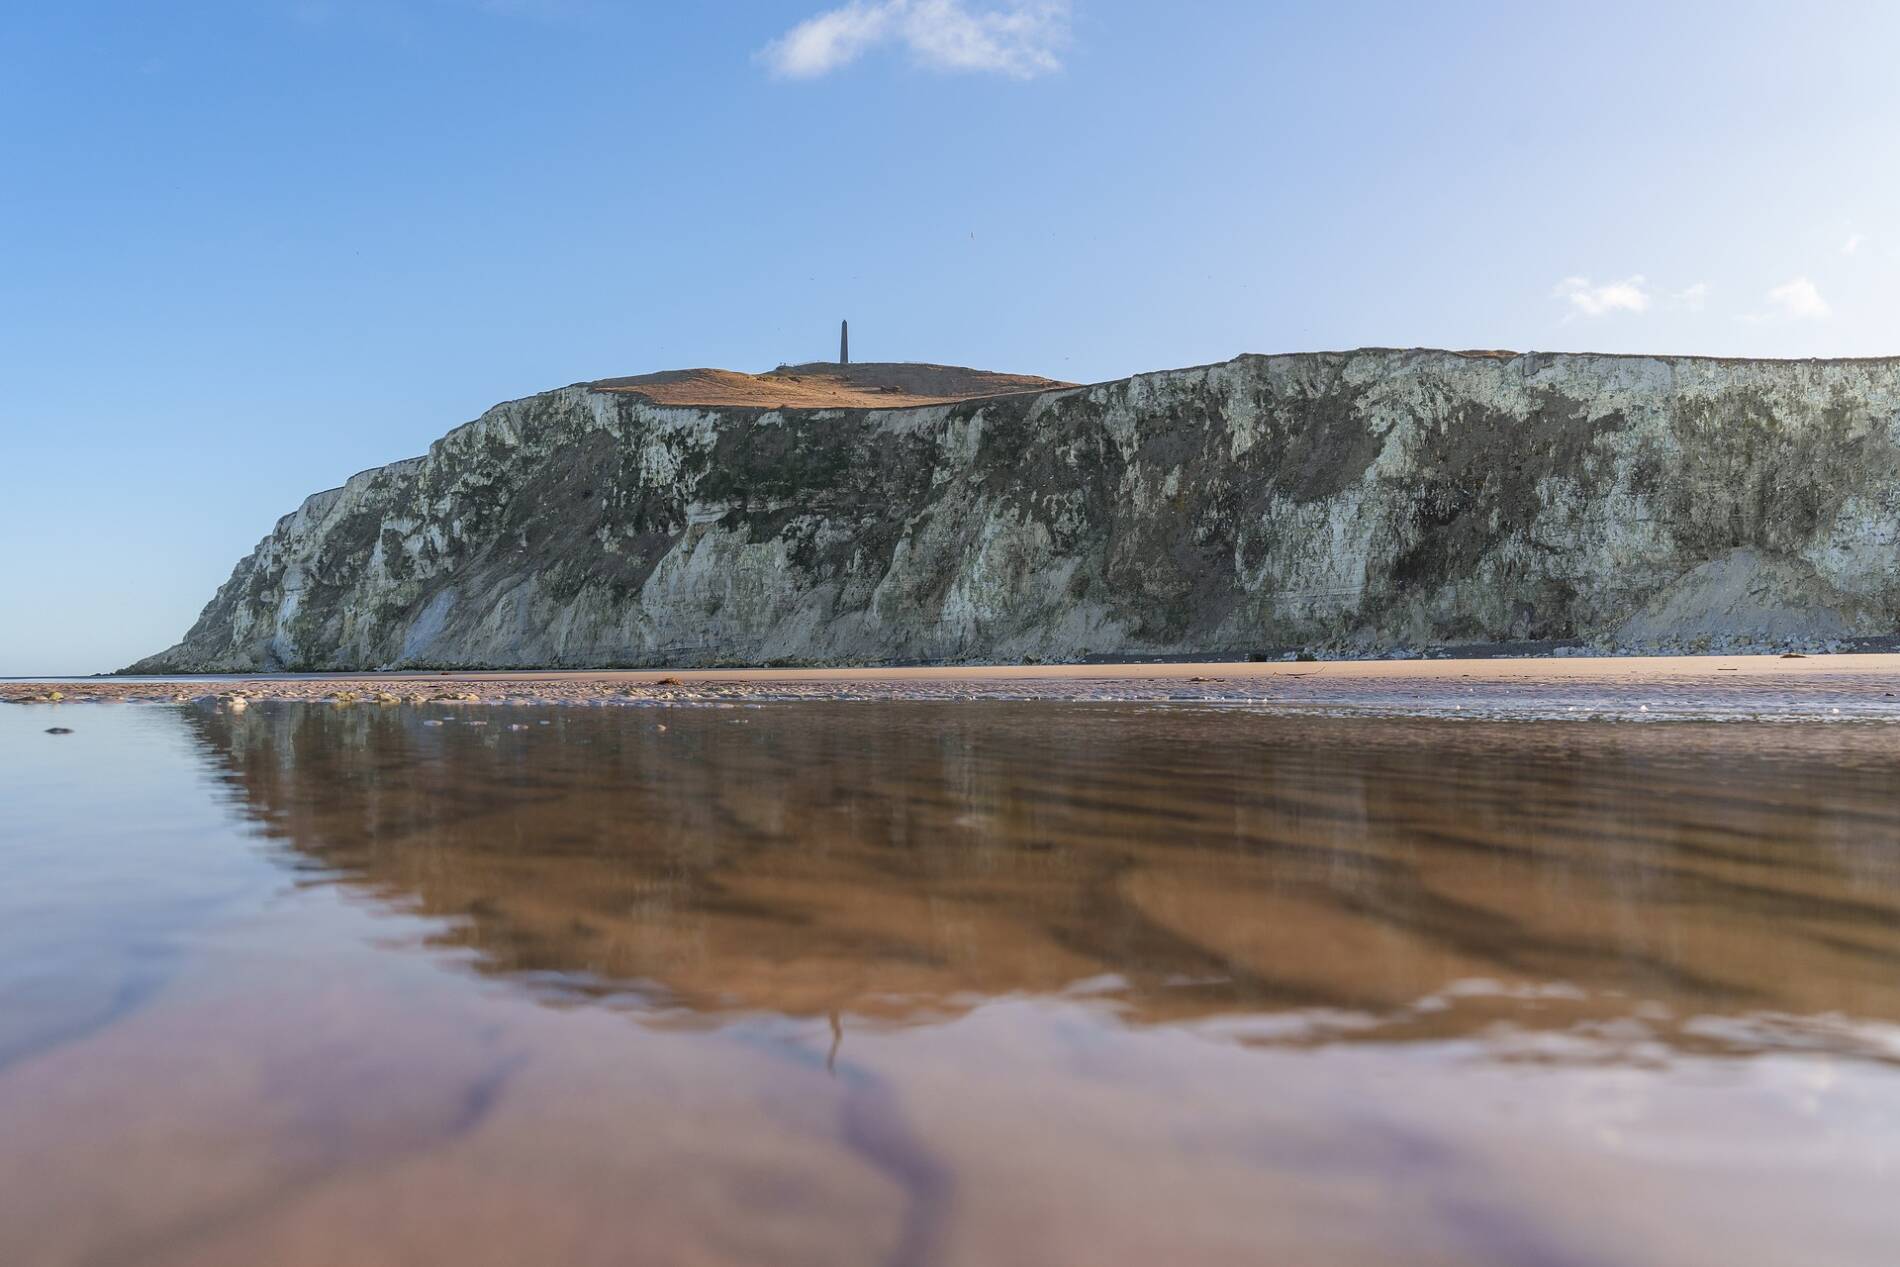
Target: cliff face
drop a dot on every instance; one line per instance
(1359, 500)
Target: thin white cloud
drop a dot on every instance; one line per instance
(1853, 243)
(1695, 298)
(1018, 38)
(1798, 299)
(1629, 295)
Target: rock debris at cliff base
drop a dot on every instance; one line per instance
(1837, 688)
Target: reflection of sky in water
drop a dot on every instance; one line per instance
(940, 984)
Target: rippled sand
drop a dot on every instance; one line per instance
(933, 983)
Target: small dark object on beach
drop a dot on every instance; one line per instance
(1792, 655)
(667, 681)
(1206, 679)
(59, 730)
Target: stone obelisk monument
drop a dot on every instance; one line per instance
(844, 343)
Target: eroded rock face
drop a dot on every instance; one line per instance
(1362, 501)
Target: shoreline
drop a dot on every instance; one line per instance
(1846, 686)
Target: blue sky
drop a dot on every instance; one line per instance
(249, 248)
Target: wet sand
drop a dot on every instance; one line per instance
(935, 983)
(1753, 687)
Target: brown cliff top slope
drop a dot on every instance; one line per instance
(827, 385)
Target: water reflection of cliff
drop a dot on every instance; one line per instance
(900, 862)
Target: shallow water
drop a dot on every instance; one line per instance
(980, 983)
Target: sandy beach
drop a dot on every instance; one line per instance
(1753, 687)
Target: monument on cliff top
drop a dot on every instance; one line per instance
(844, 343)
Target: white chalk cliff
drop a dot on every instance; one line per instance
(1358, 501)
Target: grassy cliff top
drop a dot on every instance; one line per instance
(827, 385)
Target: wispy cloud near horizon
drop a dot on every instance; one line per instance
(1628, 295)
(1799, 300)
(1632, 294)
(1018, 38)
